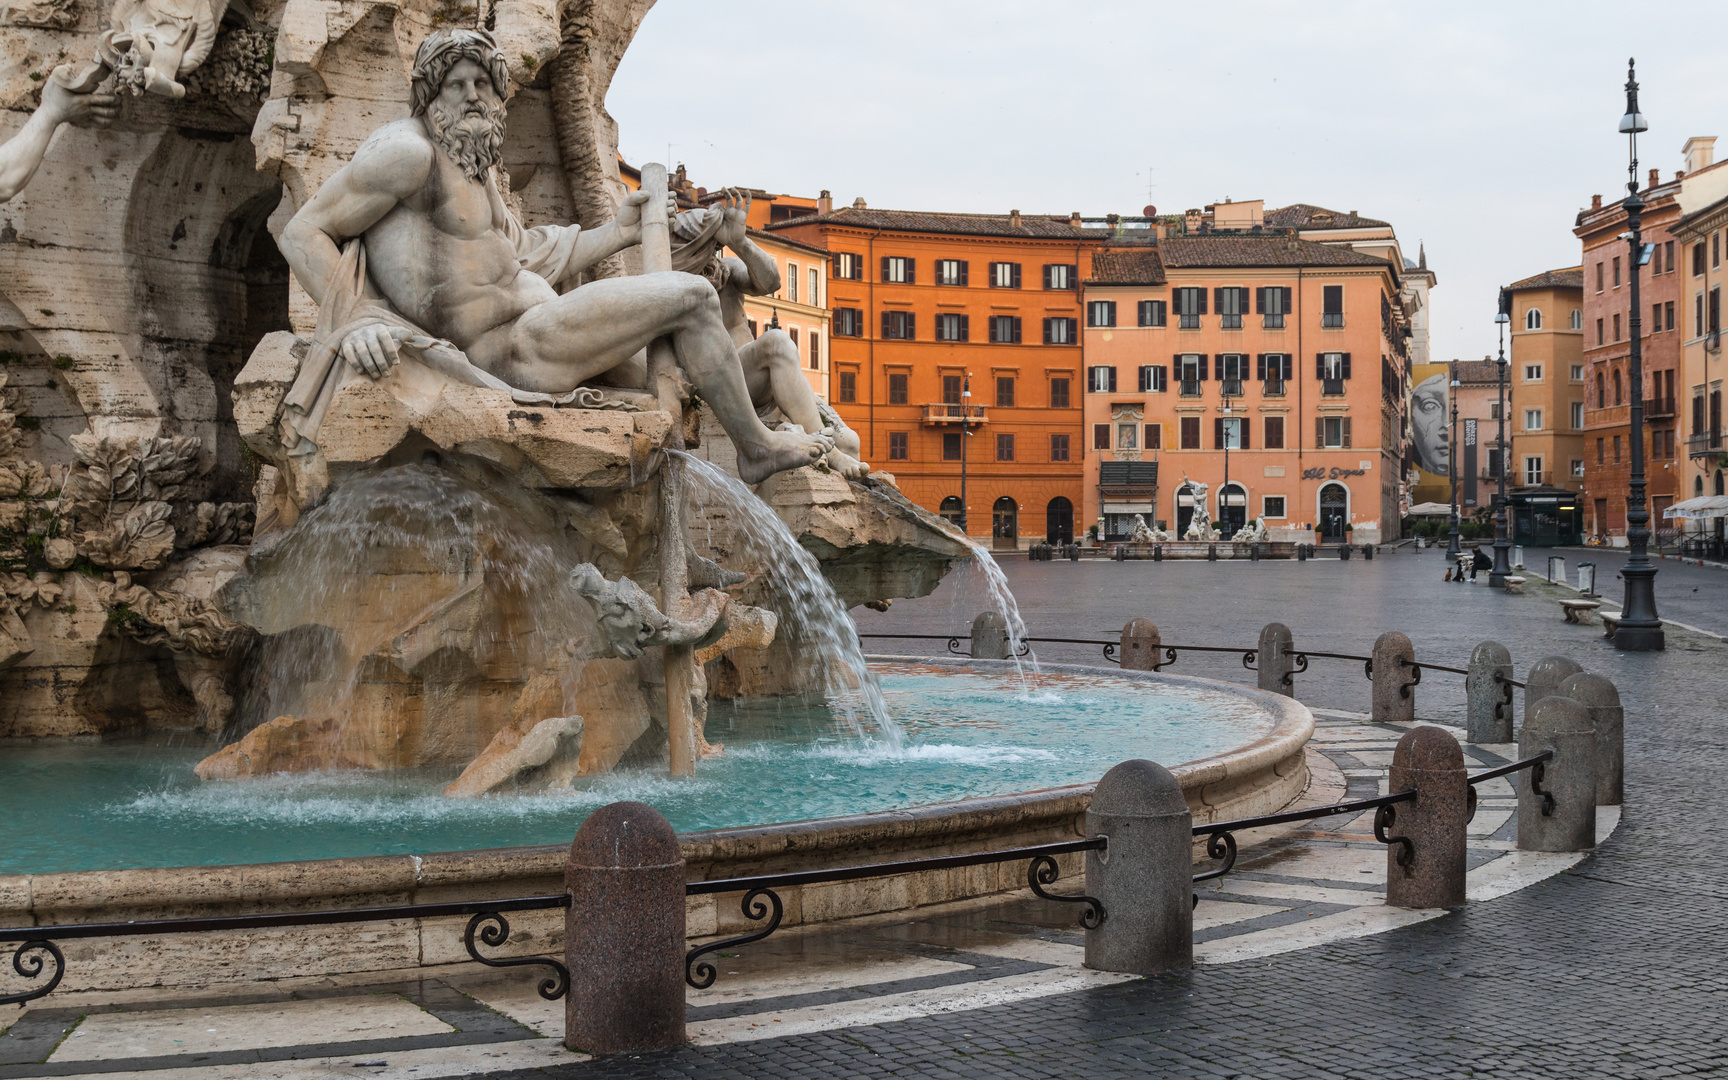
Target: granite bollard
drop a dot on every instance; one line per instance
(1139, 648)
(1545, 678)
(1394, 701)
(624, 933)
(1488, 710)
(1144, 879)
(1609, 718)
(1569, 778)
(1431, 761)
(1275, 660)
(990, 636)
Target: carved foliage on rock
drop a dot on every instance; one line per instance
(47, 14)
(118, 502)
(173, 620)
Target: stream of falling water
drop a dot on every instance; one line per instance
(811, 613)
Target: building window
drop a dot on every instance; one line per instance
(1232, 372)
(1190, 305)
(1668, 315)
(815, 351)
(1232, 301)
(1332, 305)
(848, 266)
(849, 322)
(1152, 312)
(1227, 432)
(1617, 396)
(1493, 463)
(1533, 319)
(1004, 275)
(1272, 506)
(897, 382)
(1668, 255)
(899, 270)
(951, 446)
(1060, 331)
(1101, 313)
(1060, 276)
(1058, 448)
(1004, 446)
(1655, 318)
(792, 332)
(1598, 331)
(1059, 393)
(1616, 326)
(1100, 436)
(1599, 444)
(1577, 415)
(897, 445)
(1698, 259)
(1190, 373)
(1598, 277)
(1154, 436)
(1532, 419)
(1275, 434)
(1493, 410)
(899, 326)
(1715, 249)
(952, 510)
(1713, 319)
(950, 272)
(1273, 369)
(1577, 319)
(1533, 470)
(848, 386)
(1005, 329)
(1004, 391)
(1334, 368)
(952, 388)
(1273, 302)
(1577, 372)
(1616, 449)
(952, 327)
(1190, 433)
(792, 282)
(1127, 437)
(815, 287)
(1332, 432)
(1101, 380)
(1578, 463)
(1153, 378)
(1532, 372)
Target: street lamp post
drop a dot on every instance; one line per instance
(1224, 492)
(1452, 468)
(1502, 568)
(965, 432)
(1640, 628)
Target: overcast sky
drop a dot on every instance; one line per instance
(1477, 128)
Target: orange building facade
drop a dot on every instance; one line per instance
(955, 352)
(1272, 369)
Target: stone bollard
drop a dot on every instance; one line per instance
(1545, 678)
(1211, 552)
(1120, 553)
(990, 636)
(1073, 552)
(1563, 726)
(1344, 552)
(1488, 712)
(1254, 551)
(1276, 661)
(1368, 552)
(1157, 552)
(1431, 761)
(1394, 701)
(1609, 719)
(624, 933)
(1145, 878)
(1140, 646)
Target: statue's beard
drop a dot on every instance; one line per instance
(474, 140)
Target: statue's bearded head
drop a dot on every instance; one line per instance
(458, 85)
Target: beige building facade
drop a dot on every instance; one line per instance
(1546, 417)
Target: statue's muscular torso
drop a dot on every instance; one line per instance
(441, 255)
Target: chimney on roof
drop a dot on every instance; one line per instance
(1595, 202)
(1013, 219)
(1655, 177)
(1679, 174)
(1700, 151)
(824, 202)
(858, 203)
(1074, 219)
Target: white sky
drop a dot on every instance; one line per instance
(1479, 128)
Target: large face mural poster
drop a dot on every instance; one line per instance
(1430, 425)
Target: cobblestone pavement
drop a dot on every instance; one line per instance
(1612, 969)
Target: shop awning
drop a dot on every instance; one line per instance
(1431, 509)
(1700, 508)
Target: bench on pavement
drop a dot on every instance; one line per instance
(1579, 611)
(1514, 584)
(1610, 623)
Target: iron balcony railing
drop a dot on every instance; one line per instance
(1189, 388)
(1704, 444)
(945, 413)
(1272, 388)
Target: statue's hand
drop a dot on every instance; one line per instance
(67, 106)
(629, 219)
(736, 212)
(371, 350)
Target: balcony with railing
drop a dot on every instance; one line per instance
(1704, 444)
(947, 413)
(1655, 407)
(1230, 387)
(1188, 388)
(1331, 387)
(1272, 388)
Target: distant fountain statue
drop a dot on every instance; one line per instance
(1144, 534)
(1254, 532)
(1200, 525)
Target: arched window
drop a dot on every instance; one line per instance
(1697, 485)
(951, 509)
(1577, 319)
(1533, 319)
(1719, 490)
(1601, 392)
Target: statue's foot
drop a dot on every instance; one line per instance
(847, 441)
(780, 451)
(846, 464)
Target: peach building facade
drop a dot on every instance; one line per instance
(1545, 423)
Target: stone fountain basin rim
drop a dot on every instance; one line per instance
(1255, 778)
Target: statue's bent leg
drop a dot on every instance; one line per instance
(774, 373)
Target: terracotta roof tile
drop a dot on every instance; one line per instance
(1309, 216)
(1571, 277)
(1138, 266)
(1031, 227)
(1235, 250)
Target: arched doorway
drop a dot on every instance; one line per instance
(1232, 510)
(951, 510)
(1005, 524)
(1334, 512)
(1059, 521)
(1184, 509)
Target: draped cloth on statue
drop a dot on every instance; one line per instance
(352, 301)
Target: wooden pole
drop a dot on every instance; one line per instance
(679, 660)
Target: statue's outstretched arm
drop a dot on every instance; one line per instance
(23, 153)
(764, 272)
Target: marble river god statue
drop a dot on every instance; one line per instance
(410, 245)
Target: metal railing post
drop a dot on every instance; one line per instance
(1428, 870)
(1143, 877)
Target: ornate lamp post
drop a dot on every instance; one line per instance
(965, 433)
(1224, 492)
(1452, 468)
(1640, 628)
(1502, 543)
